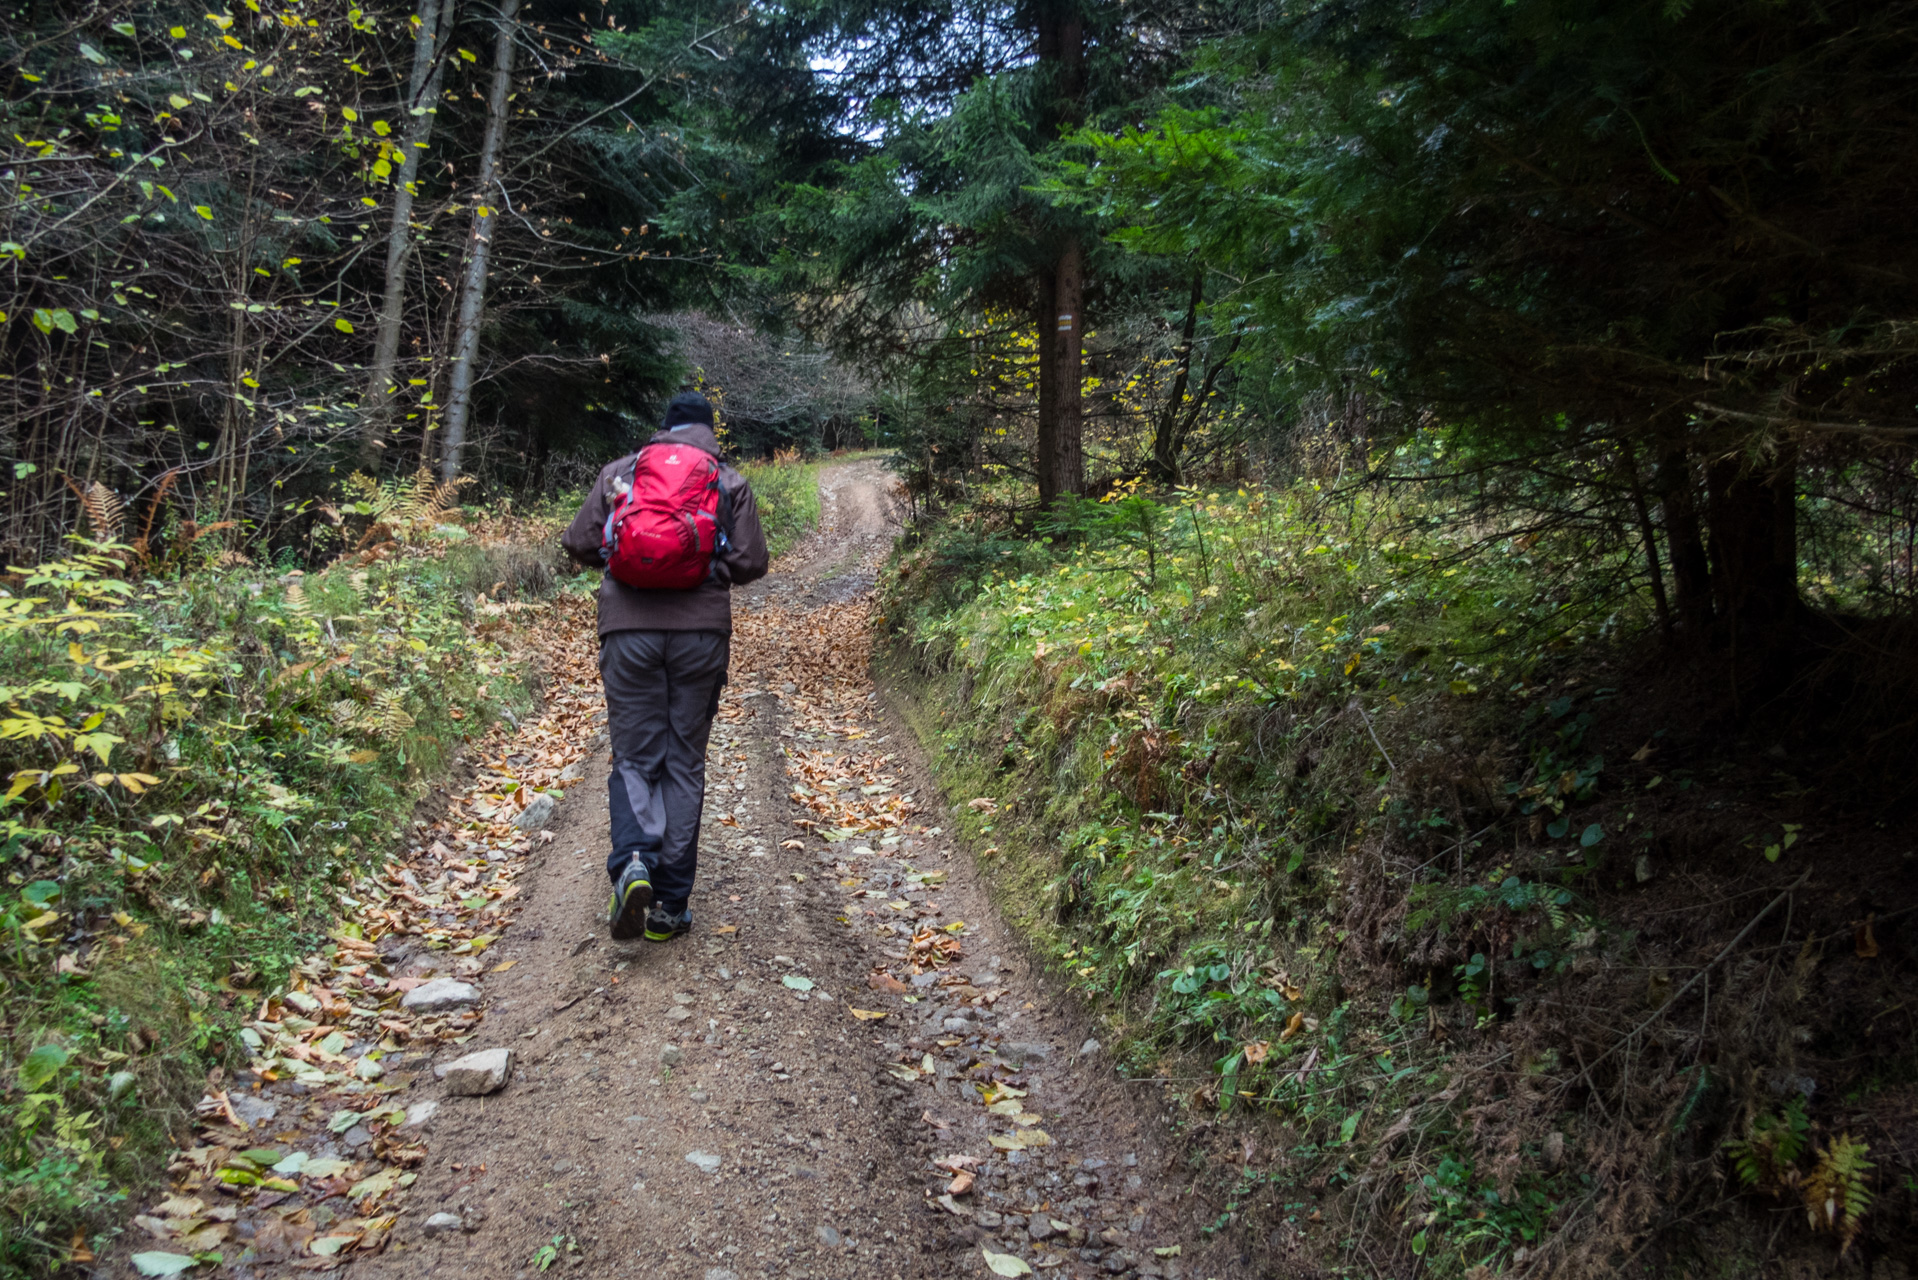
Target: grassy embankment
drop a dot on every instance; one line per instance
(788, 496)
(1343, 821)
(200, 758)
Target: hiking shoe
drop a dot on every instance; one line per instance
(663, 925)
(626, 913)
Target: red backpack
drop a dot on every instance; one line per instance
(664, 531)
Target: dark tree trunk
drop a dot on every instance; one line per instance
(1753, 517)
(1061, 447)
(1165, 437)
(1754, 544)
(1062, 467)
(1691, 571)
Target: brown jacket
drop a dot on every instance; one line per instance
(707, 607)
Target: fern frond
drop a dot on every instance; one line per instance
(1838, 1192)
(296, 597)
(344, 712)
(361, 487)
(389, 713)
(105, 514)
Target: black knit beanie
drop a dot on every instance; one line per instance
(689, 406)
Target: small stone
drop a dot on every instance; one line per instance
(704, 1161)
(671, 1055)
(957, 1026)
(678, 1013)
(442, 1224)
(441, 995)
(1039, 1227)
(1115, 1263)
(537, 813)
(252, 1109)
(924, 979)
(699, 1095)
(1025, 1050)
(683, 997)
(571, 773)
(562, 1166)
(988, 1218)
(712, 1273)
(479, 1073)
(1089, 1048)
(827, 1236)
(355, 1138)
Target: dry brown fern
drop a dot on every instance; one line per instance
(105, 513)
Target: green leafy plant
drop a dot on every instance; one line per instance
(1765, 1155)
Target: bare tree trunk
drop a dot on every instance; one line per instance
(436, 19)
(459, 401)
(1062, 467)
(1691, 571)
(1061, 443)
(1165, 441)
(1752, 516)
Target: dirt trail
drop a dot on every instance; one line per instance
(715, 1108)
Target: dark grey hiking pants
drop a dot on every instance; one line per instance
(662, 688)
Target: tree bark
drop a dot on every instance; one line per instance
(459, 400)
(1754, 549)
(422, 98)
(1061, 443)
(1691, 570)
(1165, 437)
(1061, 435)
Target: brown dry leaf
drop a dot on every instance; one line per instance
(880, 980)
(1862, 941)
(867, 1015)
(1256, 1052)
(960, 1184)
(1292, 1027)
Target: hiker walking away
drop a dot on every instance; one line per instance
(675, 529)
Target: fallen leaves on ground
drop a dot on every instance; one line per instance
(333, 1052)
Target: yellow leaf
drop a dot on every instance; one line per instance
(504, 965)
(868, 1015)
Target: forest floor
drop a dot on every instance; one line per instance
(848, 1069)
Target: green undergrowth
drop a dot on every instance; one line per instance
(197, 767)
(1306, 797)
(788, 497)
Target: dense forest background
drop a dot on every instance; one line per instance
(1452, 398)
